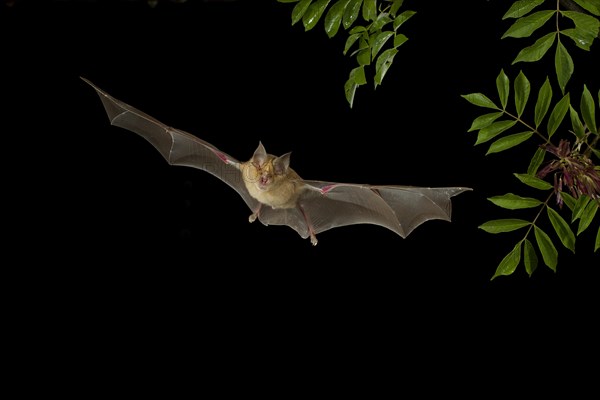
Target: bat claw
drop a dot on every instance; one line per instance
(252, 217)
(313, 239)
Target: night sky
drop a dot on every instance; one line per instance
(139, 245)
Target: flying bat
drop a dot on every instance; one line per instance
(277, 195)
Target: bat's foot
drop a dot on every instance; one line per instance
(313, 239)
(255, 214)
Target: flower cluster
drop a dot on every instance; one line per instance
(572, 170)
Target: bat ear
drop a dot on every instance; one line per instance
(260, 154)
(281, 164)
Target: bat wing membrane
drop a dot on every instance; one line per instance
(176, 146)
(321, 205)
(327, 205)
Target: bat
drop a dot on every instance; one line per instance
(277, 195)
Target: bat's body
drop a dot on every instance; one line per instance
(277, 195)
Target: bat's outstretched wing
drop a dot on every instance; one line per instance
(176, 146)
(320, 205)
(326, 205)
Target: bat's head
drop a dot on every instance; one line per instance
(266, 170)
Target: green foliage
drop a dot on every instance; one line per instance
(533, 181)
(556, 199)
(525, 26)
(558, 114)
(509, 263)
(588, 110)
(549, 252)
(372, 29)
(530, 258)
(585, 29)
(563, 63)
(543, 102)
(504, 225)
(584, 135)
(512, 201)
(593, 6)
(562, 167)
(536, 51)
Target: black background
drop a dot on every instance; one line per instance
(142, 256)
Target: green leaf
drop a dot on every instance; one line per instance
(313, 14)
(536, 161)
(564, 232)
(521, 8)
(509, 263)
(350, 41)
(356, 78)
(358, 75)
(402, 18)
(399, 39)
(563, 63)
(358, 29)
(288, 1)
(525, 26)
(503, 225)
(513, 202)
(369, 10)
(597, 244)
(503, 86)
(588, 107)
(378, 42)
(587, 216)
(396, 6)
(522, 89)
(578, 128)
(364, 56)
(351, 13)
(508, 141)
(333, 18)
(350, 90)
(568, 200)
(558, 114)
(299, 10)
(493, 130)
(484, 120)
(549, 253)
(537, 50)
(534, 181)
(543, 102)
(384, 61)
(586, 29)
(363, 44)
(580, 39)
(592, 6)
(480, 100)
(579, 206)
(382, 20)
(530, 259)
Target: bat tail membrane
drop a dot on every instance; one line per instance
(291, 217)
